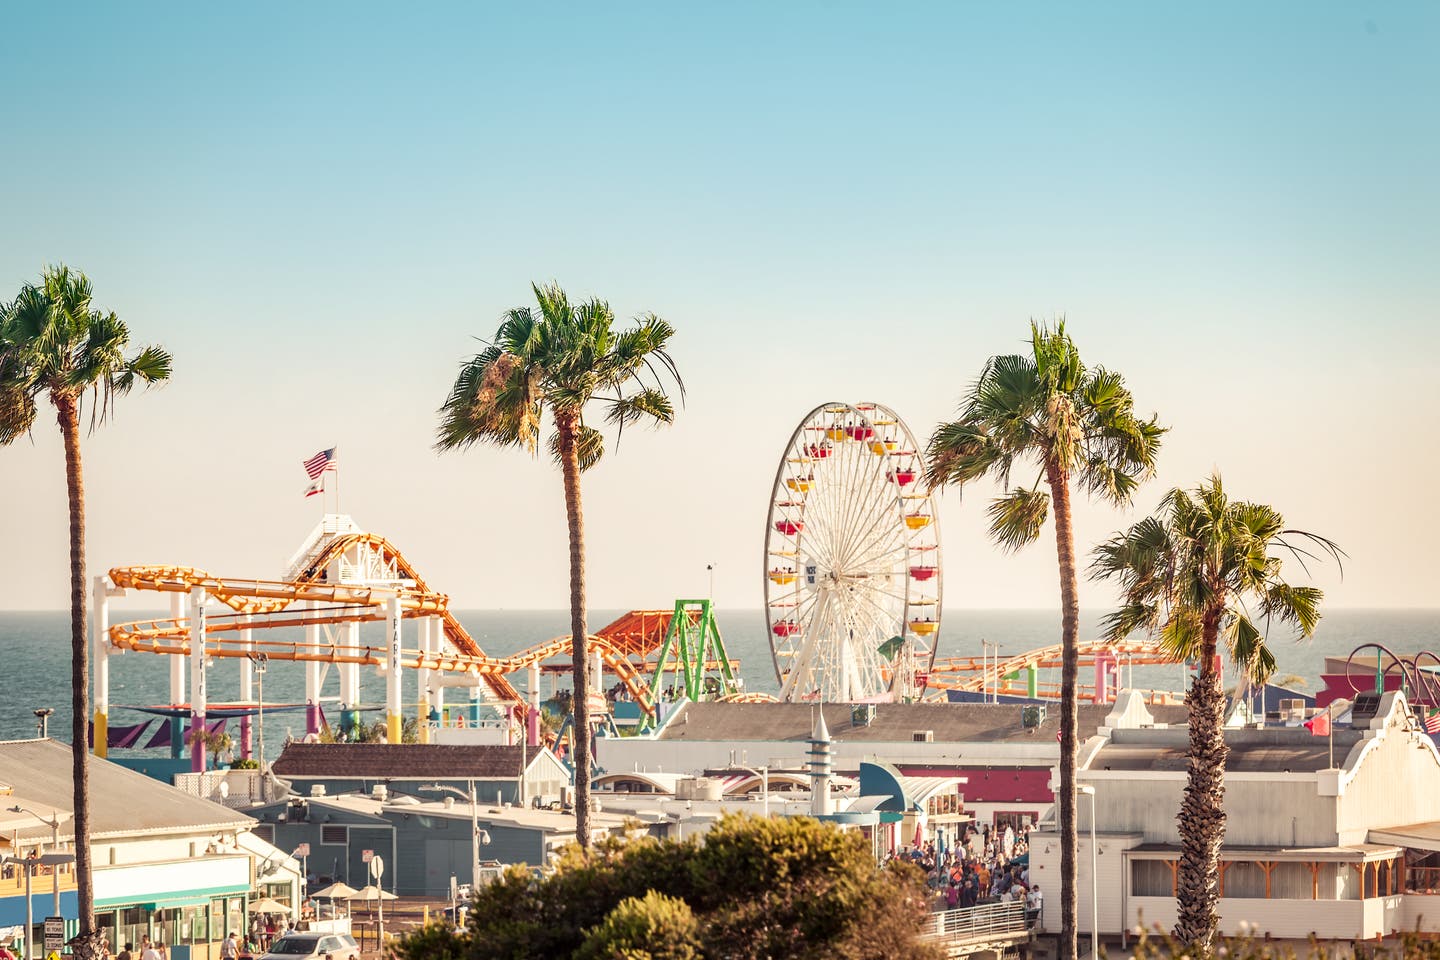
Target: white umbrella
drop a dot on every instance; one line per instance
(336, 891)
(372, 892)
(268, 905)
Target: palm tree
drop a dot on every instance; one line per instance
(1202, 572)
(54, 344)
(560, 358)
(1072, 424)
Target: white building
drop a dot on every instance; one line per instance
(1334, 848)
(166, 864)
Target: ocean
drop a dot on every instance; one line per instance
(35, 652)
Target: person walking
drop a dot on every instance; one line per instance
(230, 948)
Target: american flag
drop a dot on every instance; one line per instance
(1432, 721)
(319, 463)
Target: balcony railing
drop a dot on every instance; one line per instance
(977, 923)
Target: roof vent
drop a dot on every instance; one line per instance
(1366, 706)
(922, 736)
(317, 789)
(380, 792)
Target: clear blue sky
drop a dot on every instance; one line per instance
(316, 207)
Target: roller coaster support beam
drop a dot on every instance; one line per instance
(394, 719)
(198, 689)
(532, 720)
(437, 695)
(422, 684)
(178, 666)
(102, 591)
(1032, 681)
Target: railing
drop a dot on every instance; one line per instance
(971, 923)
(244, 788)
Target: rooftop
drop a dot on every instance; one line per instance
(1271, 750)
(891, 722)
(123, 802)
(402, 761)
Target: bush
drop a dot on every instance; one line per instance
(245, 763)
(652, 927)
(781, 889)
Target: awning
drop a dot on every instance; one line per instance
(1416, 836)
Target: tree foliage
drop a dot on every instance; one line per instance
(753, 888)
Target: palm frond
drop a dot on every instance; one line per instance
(589, 447)
(1017, 518)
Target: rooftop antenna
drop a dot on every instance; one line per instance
(710, 568)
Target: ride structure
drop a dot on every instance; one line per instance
(1020, 675)
(341, 577)
(852, 559)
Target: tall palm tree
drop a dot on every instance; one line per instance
(55, 345)
(1204, 571)
(559, 358)
(1073, 425)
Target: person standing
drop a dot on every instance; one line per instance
(230, 948)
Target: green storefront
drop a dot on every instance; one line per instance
(190, 905)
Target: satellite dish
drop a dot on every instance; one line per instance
(224, 789)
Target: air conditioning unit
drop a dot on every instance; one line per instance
(1364, 709)
(862, 714)
(922, 736)
(1032, 716)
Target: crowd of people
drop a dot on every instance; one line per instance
(986, 865)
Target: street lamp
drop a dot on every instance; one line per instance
(51, 860)
(764, 774)
(54, 824)
(477, 836)
(985, 647)
(1087, 790)
(260, 660)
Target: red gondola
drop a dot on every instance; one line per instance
(922, 573)
(904, 477)
(789, 527)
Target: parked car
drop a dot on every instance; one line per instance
(314, 946)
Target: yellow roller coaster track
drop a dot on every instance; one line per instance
(262, 602)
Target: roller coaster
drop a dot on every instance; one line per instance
(1019, 675)
(343, 577)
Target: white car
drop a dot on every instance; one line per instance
(314, 946)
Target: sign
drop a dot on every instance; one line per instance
(302, 851)
(377, 869)
(367, 855)
(811, 572)
(53, 955)
(54, 933)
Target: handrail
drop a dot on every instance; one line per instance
(986, 920)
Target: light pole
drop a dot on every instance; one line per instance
(477, 836)
(260, 660)
(985, 647)
(764, 774)
(28, 864)
(1087, 790)
(54, 824)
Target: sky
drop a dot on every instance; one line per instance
(320, 209)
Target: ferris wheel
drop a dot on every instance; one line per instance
(852, 559)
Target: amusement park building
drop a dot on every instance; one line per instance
(1003, 759)
(166, 864)
(1332, 845)
(423, 844)
(494, 769)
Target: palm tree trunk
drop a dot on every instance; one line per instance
(567, 425)
(1059, 481)
(67, 414)
(1202, 811)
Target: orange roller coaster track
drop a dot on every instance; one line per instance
(974, 673)
(266, 604)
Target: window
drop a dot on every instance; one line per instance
(1151, 878)
(264, 831)
(335, 836)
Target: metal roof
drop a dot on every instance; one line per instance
(122, 802)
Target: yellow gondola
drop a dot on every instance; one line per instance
(923, 627)
(917, 521)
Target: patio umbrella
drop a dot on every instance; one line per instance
(268, 905)
(336, 891)
(372, 892)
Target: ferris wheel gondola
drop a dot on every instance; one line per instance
(852, 559)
